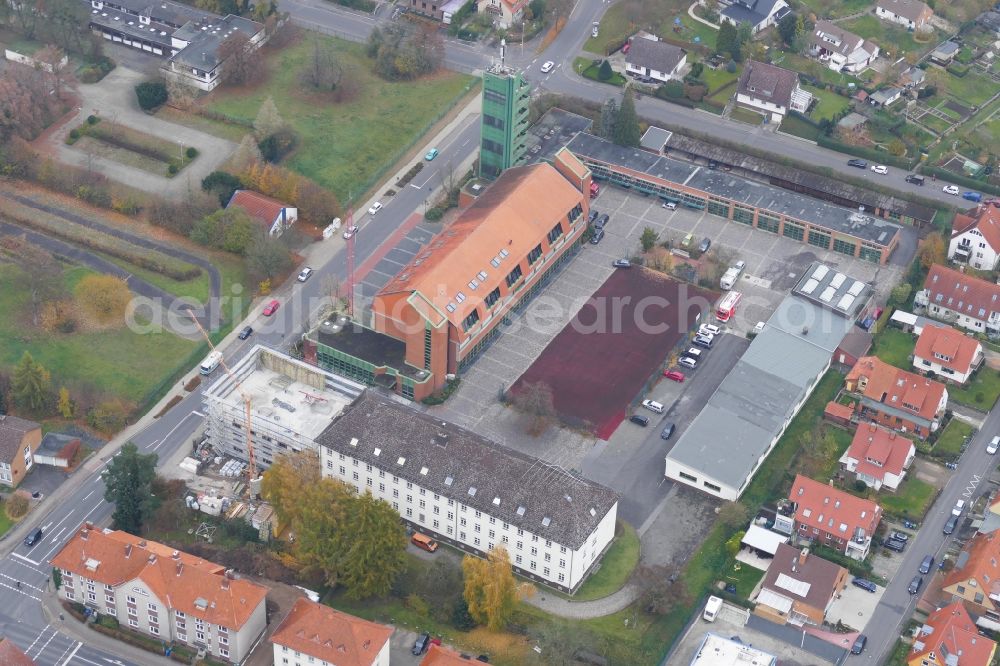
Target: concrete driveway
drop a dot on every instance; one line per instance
(113, 99)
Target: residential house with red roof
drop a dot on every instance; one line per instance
(975, 579)
(151, 588)
(505, 13)
(19, 439)
(960, 299)
(439, 655)
(444, 307)
(975, 239)
(799, 588)
(948, 353)
(949, 637)
(896, 398)
(313, 633)
(273, 216)
(878, 456)
(819, 513)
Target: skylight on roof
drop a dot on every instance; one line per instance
(472, 491)
(546, 521)
(423, 471)
(460, 297)
(520, 510)
(354, 441)
(449, 480)
(504, 253)
(450, 307)
(473, 284)
(481, 275)
(377, 451)
(401, 460)
(496, 501)
(495, 262)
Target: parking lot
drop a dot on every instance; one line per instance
(854, 606)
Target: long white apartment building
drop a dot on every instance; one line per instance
(164, 593)
(465, 490)
(291, 402)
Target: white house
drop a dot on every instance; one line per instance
(760, 14)
(771, 90)
(885, 97)
(460, 488)
(879, 457)
(170, 595)
(842, 51)
(947, 353)
(655, 59)
(975, 240)
(274, 216)
(313, 633)
(960, 299)
(505, 13)
(910, 13)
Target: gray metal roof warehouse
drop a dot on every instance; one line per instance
(759, 397)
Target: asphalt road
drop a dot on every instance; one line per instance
(897, 605)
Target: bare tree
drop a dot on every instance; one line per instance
(662, 588)
(243, 62)
(534, 400)
(40, 276)
(322, 71)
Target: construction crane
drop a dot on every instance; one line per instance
(251, 458)
(350, 263)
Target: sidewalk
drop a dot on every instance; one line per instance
(70, 626)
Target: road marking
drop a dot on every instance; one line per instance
(45, 527)
(56, 535)
(89, 494)
(34, 587)
(72, 654)
(46, 644)
(94, 662)
(180, 422)
(416, 187)
(51, 550)
(37, 638)
(198, 413)
(22, 557)
(157, 443)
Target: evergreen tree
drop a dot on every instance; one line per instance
(30, 384)
(725, 41)
(609, 116)
(627, 122)
(128, 482)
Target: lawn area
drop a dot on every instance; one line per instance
(746, 116)
(692, 31)
(798, 127)
(717, 78)
(744, 577)
(586, 67)
(5, 522)
(616, 567)
(981, 392)
(346, 146)
(973, 89)
(119, 362)
(802, 64)
(234, 133)
(829, 104)
(911, 500)
(836, 8)
(951, 440)
(894, 347)
(891, 38)
(614, 27)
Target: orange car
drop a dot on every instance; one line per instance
(271, 308)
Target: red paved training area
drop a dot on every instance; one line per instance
(599, 363)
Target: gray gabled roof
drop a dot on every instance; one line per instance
(12, 432)
(457, 463)
(659, 56)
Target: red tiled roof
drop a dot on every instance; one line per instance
(824, 507)
(962, 293)
(439, 655)
(328, 634)
(263, 209)
(953, 632)
(987, 223)
(183, 582)
(11, 655)
(947, 342)
(897, 388)
(982, 565)
(887, 448)
(837, 410)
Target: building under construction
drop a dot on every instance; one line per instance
(291, 402)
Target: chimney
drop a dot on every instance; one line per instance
(152, 558)
(89, 525)
(83, 533)
(230, 574)
(128, 551)
(142, 544)
(225, 582)
(176, 555)
(803, 554)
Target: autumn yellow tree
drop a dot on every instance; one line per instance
(103, 299)
(932, 251)
(491, 592)
(286, 479)
(66, 406)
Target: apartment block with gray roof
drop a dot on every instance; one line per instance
(465, 490)
(732, 436)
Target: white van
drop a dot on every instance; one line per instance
(211, 362)
(712, 609)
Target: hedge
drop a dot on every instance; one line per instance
(882, 156)
(964, 181)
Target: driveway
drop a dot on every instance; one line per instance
(113, 99)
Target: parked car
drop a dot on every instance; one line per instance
(704, 245)
(639, 419)
(688, 239)
(668, 430)
(909, 524)
(376, 207)
(245, 333)
(674, 375)
(597, 237)
(547, 67)
(271, 308)
(994, 444)
(861, 164)
(865, 584)
(601, 221)
(950, 526)
(670, 205)
(915, 179)
(653, 406)
(350, 231)
(899, 536)
(927, 564)
(621, 263)
(692, 353)
(959, 508)
(688, 362)
(880, 169)
(421, 644)
(709, 329)
(594, 31)
(950, 189)
(704, 341)
(592, 217)
(431, 154)
(859, 644)
(34, 536)
(915, 584)
(713, 165)
(895, 545)
(972, 196)
(305, 274)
